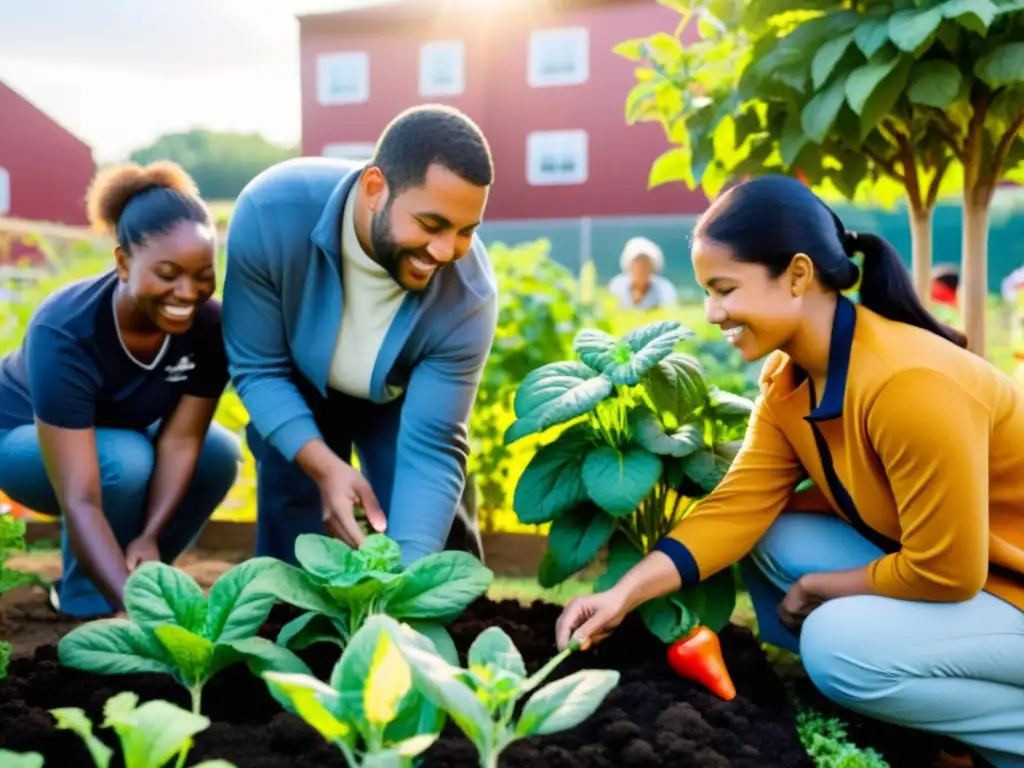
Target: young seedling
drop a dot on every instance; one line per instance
(370, 710)
(339, 588)
(151, 735)
(482, 700)
(172, 628)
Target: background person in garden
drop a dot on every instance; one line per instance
(359, 310)
(908, 606)
(106, 408)
(641, 285)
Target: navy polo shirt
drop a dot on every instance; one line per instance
(73, 371)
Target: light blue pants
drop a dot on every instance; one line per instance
(955, 669)
(126, 465)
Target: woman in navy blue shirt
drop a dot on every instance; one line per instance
(106, 409)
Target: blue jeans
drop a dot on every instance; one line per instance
(126, 465)
(955, 669)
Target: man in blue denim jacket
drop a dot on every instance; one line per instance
(359, 309)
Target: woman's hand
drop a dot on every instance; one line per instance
(590, 619)
(143, 550)
(798, 604)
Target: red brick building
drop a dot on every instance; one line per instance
(539, 77)
(44, 169)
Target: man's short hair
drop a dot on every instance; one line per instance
(432, 134)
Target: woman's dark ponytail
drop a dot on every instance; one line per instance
(886, 288)
(769, 219)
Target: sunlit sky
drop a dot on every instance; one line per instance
(118, 73)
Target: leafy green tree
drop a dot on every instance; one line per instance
(867, 100)
(220, 163)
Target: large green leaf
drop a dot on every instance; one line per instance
(621, 557)
(934, 83)
(297, 588)
(574, 540)
(113, 647)
(820, 113)
(677, 387)
(883, 99)
(824, 62)
(974, 15)
(649, 433)
(712, 601)
(554, 394)
(494, 648)
(157, 593)
(439, 586)
(871, 34)
(706, 468)
(1001, 66)
(308, 629)
(909, 30)
(863, 81)
(730, 407)
(626, 361)
(237, 608)
(552, 482)
(667, 617)
(329, 560)
(153, 733)
(191, 654)
(618, 480)
(565, 703)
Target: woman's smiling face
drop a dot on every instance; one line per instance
(757, 313)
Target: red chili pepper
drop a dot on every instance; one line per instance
(698, 657)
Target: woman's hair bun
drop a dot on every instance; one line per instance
(114, 187)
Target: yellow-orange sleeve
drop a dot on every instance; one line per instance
(932, 436)
(725, 525)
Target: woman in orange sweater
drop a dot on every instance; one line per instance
(905, 598)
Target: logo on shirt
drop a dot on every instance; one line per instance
(179, 371)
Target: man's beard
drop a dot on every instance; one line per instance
(386, 251)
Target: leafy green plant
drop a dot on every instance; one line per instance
(339, 588)
(151, 735)
(827, 742)
(370, 710)
(482, 700)
(12, 539)
(642, 436)
(173, 628)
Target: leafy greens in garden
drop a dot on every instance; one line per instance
(642, 436)
(339, 588)
(370, 709)
(173, 628)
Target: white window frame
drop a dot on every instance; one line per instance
(352, 65)
(5, 191)
(561, 144)
(360, 151)
(433, 56)
(548, 47)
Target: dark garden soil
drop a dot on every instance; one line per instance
(653, 717)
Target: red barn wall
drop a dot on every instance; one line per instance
(49, 168)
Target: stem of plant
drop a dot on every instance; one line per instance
(541, 674)
(197, 699)
(183, 755)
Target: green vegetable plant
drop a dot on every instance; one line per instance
(339, 588)
(151, 735)
(173, 628)
(641, 435)
(370, 710)
(12, 539)
(482, 699)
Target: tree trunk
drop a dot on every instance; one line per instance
(974, 285)
(921, 241)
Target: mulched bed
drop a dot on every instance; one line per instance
(653, 718)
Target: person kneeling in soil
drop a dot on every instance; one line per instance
(906, 598)
(105, 410)
(359, 310)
